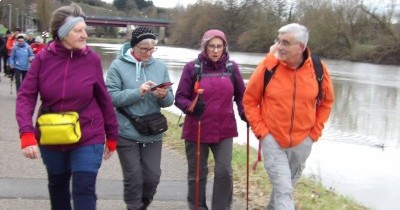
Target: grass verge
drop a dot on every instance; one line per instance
(309, 194)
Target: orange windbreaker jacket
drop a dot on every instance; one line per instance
(288, 109)
(10, 43)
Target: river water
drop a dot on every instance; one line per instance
(358, 154)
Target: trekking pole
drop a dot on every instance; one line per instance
(247, 166)
(199, 92)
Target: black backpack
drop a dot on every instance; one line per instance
(318, 72)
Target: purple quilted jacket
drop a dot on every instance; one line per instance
(67, 81)
(218, 121)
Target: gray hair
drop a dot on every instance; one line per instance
(300, 32)
(147, 41)
(60, 15)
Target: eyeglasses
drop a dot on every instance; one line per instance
(213, 47)
(284, 43)
(145, 50)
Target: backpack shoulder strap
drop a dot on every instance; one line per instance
(319, 72)
(229, 67)
(198, 69)
(267, 77)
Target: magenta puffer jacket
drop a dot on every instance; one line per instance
(68, 81)
(218, 120)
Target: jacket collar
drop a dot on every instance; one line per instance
(58, 48)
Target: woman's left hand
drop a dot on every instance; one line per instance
(160, 92)
(107, 153)
(109, 149)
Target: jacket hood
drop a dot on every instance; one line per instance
(208, 62)
(124, 55)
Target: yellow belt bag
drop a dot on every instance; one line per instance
(59, 128)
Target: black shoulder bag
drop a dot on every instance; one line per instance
(147, 125)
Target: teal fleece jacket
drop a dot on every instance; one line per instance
(123, 81)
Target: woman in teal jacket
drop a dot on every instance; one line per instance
(129, 81)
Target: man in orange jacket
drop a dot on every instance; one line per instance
(9, 45)
(285, 116)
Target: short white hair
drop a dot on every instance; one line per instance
(300, 32)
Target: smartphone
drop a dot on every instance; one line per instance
(162, 85)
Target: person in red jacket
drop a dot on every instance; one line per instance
(285, 116)
(38, 45)
(68, 77)
(12, 39)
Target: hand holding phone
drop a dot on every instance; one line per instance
(162, 85)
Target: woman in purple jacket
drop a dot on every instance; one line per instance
(211, 74)
(68, 76)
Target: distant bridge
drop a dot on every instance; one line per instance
(95, 20)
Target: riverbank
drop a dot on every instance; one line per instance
(309, 194)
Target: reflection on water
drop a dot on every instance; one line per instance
(359, 151)
(369, 114)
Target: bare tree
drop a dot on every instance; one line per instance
(44, 9)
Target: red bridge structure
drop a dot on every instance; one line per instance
(94, 20)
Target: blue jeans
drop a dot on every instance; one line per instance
(82, 164)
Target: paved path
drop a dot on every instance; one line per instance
(23, 183)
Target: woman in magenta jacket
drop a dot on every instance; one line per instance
(68, 77)
(218, 123)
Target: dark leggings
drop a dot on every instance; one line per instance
(19, 77)
(5, 60)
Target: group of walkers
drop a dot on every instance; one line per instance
(17, 52)
(123, 113)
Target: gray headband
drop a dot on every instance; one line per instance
(68, 25)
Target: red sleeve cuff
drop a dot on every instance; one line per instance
(111, 144)
(28, 139)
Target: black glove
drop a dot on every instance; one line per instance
(243, 117)
(199, 108)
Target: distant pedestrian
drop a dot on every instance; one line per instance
(288, 114)
(20, 59)
(68, 77)
(222, 83)
(30, 39)
(4, 52)
(129, 82)
(2, 46)
(38, 45)
(12, 39)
